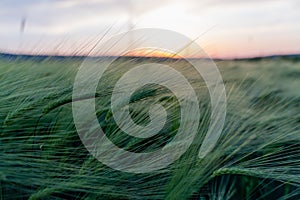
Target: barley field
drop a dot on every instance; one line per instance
(256, 157)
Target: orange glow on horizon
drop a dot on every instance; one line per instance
(152, 53)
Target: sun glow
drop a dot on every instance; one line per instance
(152, 53)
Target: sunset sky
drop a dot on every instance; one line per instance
(227, 28)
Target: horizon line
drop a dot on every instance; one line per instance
(44, 55)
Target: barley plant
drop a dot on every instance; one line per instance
(257, 156)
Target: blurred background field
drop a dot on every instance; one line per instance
(257, 157)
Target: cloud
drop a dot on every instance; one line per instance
(56, 16)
